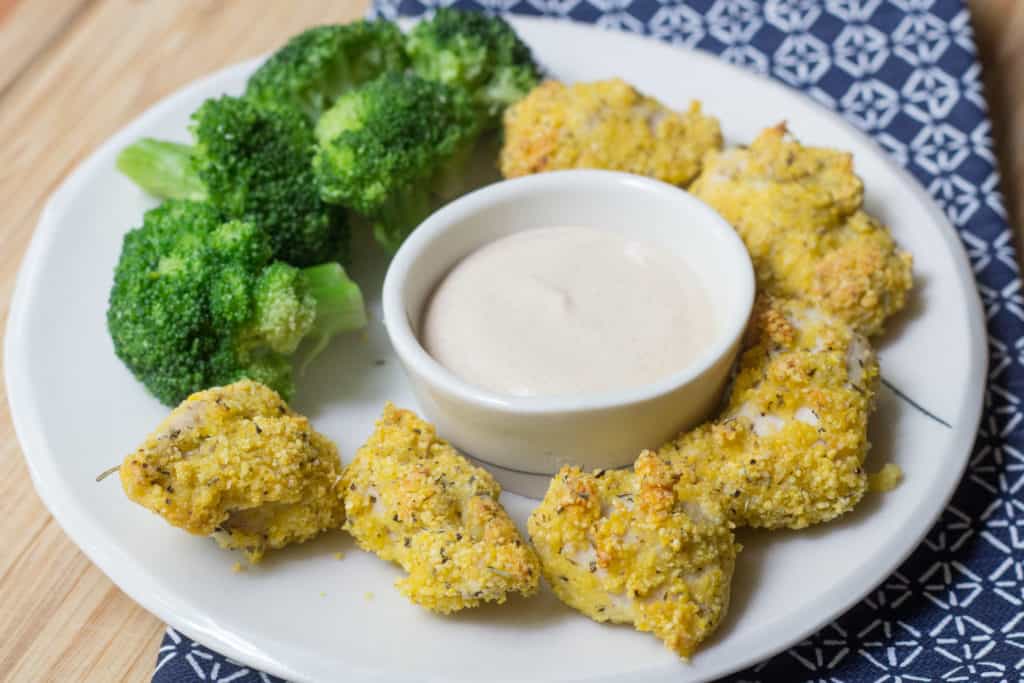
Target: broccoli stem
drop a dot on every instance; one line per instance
(393, 222)
(162, 168)
(339, 305)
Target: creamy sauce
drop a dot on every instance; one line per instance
(567, 310)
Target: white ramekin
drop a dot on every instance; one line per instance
(526, 440)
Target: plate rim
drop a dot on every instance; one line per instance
(184, 617)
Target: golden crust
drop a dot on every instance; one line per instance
(789, 448)
(605, 124)
(236, 463)
(637, 547)
(798, 210)
(413, 499)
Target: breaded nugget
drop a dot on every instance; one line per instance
(236, 463)
(798, 210)
(605, 124)
(789, 448)
(637, 547)
(654, 546)
(413, 499)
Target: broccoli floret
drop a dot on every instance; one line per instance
(319, 64)
(477, 52)
(198, 302)
(253, 164)
(394, 149)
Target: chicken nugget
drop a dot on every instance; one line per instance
(798, 210)
(605, 124)
(638, 547)
(237, 463)
(789, 448)
(413, 499)
(654, 546)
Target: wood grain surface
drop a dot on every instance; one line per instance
(72, 72)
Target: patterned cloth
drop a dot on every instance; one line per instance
(906, 72)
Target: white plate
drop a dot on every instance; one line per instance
(307, 616)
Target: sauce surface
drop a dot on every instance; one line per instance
(567, 311)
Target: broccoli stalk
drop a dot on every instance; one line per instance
(162, 168)
(253, 164)
(478, 53)
(292, 307)
(321, 63)
(339, 305)
(200, 302)
(395, 149)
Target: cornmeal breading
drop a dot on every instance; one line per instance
(789, 448)
(798, 210)
(605, 124)
(413, 499)
(637, 547)
(236, 463)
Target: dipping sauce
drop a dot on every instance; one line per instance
(566, 311)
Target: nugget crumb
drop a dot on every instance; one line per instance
(885, 479)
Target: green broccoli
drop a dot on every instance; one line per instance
(477, 52)
(253, 164)
(199, 301)
(319, 64)
(395, 149)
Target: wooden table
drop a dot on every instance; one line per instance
(72, 72)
